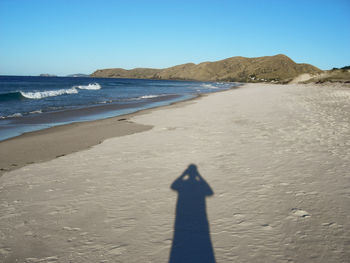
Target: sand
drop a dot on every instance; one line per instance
(269, 183)
(47, 144)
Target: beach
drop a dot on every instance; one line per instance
(254, 174)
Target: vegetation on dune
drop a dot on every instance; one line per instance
(334, 75)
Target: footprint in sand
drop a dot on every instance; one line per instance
(266, 226)
(328, 224)
(238, 218)
(71, 229)
(41, 260)
(28, 234)
(4, 251)
(117, 250)
(300, 213)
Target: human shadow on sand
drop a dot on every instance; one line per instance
(191, 241)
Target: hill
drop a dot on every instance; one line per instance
(279, 69)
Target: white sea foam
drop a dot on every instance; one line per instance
(209, 86)
(149, 96)
(91, 86)
(145, 97)
(105, 101)
(48, 93)
(36, 111)
(15, 115)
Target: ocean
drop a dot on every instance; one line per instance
(34, 103)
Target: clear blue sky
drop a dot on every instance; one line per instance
(63, 37)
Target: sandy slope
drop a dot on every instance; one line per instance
(276, 158)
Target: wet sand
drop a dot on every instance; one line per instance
(259, 174)
(50, 143)
(47, 144)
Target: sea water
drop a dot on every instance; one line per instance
(34, 103)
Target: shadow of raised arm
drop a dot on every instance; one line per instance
(192, 178)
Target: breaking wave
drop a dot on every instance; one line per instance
(48, 93)
(18, 95)
(15, 115)
(93, 86)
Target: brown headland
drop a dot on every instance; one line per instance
(278, 69)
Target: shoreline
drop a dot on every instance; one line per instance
(39, 104)
(57, 141)
(47, 120)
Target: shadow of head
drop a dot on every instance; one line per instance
(192, 183)
(192, 173)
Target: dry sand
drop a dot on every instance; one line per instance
(272, 184)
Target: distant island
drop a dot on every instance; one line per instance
(77, 75)
(275, 69)
(47, 75)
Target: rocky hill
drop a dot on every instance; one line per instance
(279, 69)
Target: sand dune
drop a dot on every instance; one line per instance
(276, 160)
